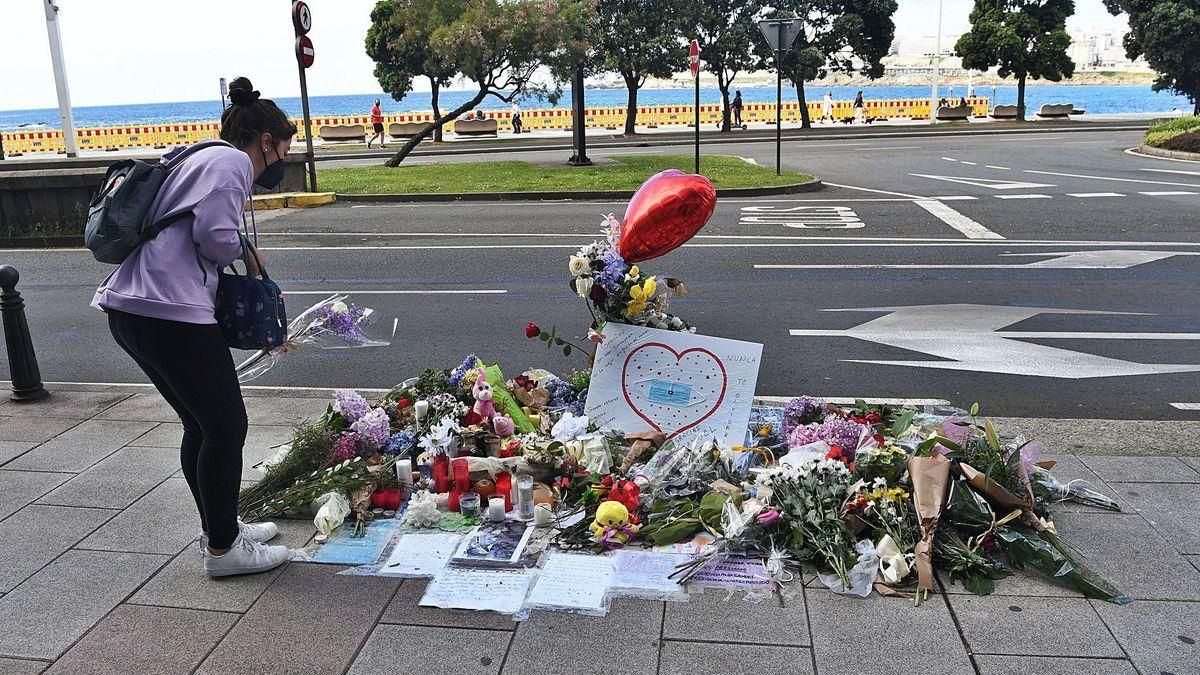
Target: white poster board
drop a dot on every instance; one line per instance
(686, 386)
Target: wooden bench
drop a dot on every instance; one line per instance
(477, 127)
(953, 113)
(343, 133)
(1058, 111)
(406, 129)
(1004, 112)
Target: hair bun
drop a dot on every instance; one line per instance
(242, 92)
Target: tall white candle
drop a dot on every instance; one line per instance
(421, 409)
(404, 474)
(496, 509)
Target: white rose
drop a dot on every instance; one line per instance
(577, 266)
(583, 286)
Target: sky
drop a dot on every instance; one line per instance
(143, 51)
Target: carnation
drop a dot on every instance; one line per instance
(801, 411)
(372, 429)
(350, 405)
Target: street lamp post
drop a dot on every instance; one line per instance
(60, 77)
(937, 62)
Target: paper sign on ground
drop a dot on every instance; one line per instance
(647, 574)
(421, 554)
(686, 386)
(496, 590)
(343, 548)
(733, 572)
(573, 581)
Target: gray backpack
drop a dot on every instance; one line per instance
(118, 215)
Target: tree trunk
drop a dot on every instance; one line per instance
(805, 122)
(631, 85)
(1021, 98)
(437, 132)
(725, 115)
(438, 123)
(1195, 111)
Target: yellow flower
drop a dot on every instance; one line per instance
(639, 296)
(634, 271)
(764, 430)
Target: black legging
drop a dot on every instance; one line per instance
(192, 368)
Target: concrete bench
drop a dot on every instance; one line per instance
(477, 127)
(1059, 111)
(343, 133)
(406, 129)
(947, 113)
(1004, 112)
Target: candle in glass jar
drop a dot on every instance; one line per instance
(496, 509)
(525, 497)
(468, 505)
(542, 515)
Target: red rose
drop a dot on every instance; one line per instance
(403, 403)
(834, 453)
(879, 439)
(532, 330)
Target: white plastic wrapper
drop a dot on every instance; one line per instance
(330, 324)
(332, 509)
(861, 576)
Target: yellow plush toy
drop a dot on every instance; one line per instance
(612, 525)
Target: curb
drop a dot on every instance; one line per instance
(581, 195)
(1151, 151)
(292, 200)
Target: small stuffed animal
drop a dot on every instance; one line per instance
(503, 426)
(612, 526)
(483, 397)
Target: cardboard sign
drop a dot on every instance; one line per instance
(686, 386)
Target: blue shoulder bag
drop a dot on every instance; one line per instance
(250, 310)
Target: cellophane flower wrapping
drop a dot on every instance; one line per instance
(332, 323)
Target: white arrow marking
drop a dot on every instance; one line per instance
(1068, 260)
(958, 221)
(1186, 406)
(969, 337)
(985, 182)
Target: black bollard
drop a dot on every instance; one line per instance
(22, 363)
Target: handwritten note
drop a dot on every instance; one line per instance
(496, 590)
(421, 554)
(573, 581)
(647, 574)
(684, 385)
(733, 572)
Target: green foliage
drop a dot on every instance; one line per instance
(1167, 33)
(311, 449)
(727, 31)
(1025, 38)
(1161, 134)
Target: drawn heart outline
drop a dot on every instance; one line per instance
(678, 357)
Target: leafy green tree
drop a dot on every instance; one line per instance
(638, 39)
(496, 44)
(1167, 33)
(727, 31)
(1026, 38)
(837, 35)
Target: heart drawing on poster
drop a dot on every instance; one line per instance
(673, 391)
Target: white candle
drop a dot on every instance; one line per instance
(421, 409)
(404, 474)
(495, 510)
(542, 515)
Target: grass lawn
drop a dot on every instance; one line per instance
(516, 176)
(1163, 134)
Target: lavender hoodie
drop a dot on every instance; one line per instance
(174, 275)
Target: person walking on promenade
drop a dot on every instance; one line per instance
(827, 107)
(160, 304)
(736, 107)
(517, 122)
(377, 125)
(860, 109)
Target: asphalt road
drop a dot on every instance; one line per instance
(1045, 275)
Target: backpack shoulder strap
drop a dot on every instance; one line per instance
(192, 149)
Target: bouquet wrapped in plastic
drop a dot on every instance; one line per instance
(330, 324)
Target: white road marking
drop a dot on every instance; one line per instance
(849, 400)
(1071, 260)
(1134, 152)
(955, 198)
(984, 182)
(1186, 406)
(1001, 168)
(1167, 193)
(969, 163)
(1094, 194)
(802, 217)
(484, 291)
(1122, 180)
(1186, 173)
(958, 221)
(969, 337)
(1023, 197)
(882, 192)
(950, 159)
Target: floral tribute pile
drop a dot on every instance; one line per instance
(871, 498)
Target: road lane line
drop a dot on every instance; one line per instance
(1122, 180)
(1186, 173)
(1166, 193)
(955, 198)
(1094, 194)
(1023, 196)
(482, 291)
(882, 192)
(1186, 406)
(1001, 168)
(969, 163)
(950, 159)
(958, 221)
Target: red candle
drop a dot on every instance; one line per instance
(504, 488)
(441, 473)
(462, 482)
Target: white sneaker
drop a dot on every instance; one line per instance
(260, 532)
(244, 557)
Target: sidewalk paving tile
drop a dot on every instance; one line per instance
(403, 609)
(81, 447)
(1021, 583)
(183, 583)
(689, 658)
(135, 639)
(1033, 626)
(1194, 559)
(36, 535)
(262, 441)
(623, 641)
(21, 667)
(283, 410)
(72, 404)
(842, 628)
(1193, 462)
(316, 621)
(148, 407)
(12, 449)
(18, 488)
(1160, 637)
(720, 616)
(162, 521)
(407, 649)
(1172, 508)
(1125, 550)
(1142, 469)
(118, 480)
(1053, 665)
(50, 611)
(34, 429)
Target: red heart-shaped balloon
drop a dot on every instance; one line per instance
(667, 210)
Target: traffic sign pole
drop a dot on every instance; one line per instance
(779, 111)
(779, 34)
(694, 64)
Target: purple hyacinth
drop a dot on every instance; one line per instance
(469, 363)
(344, 324)
(613, 272)
(800, 411)
(834, 431)
(399, 442)
(803, 435)
(372, 429)
(350, 405)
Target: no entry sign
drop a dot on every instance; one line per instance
(304, 51)
(694, 58)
